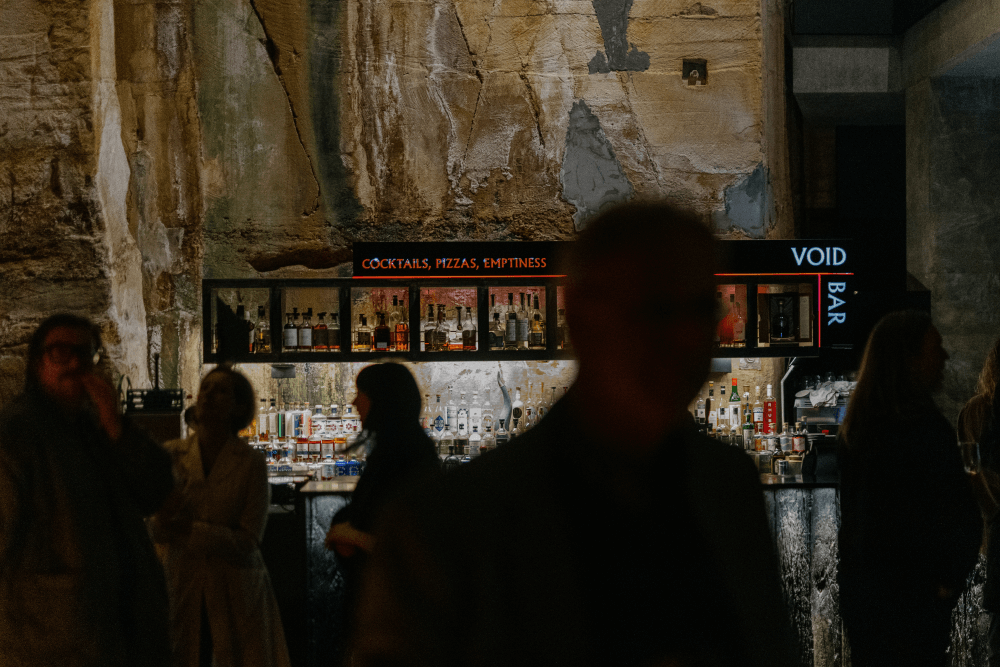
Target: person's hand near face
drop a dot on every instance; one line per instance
(67, 374)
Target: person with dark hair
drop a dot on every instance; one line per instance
(650, 547)
(79, 581)
(910, 530)
(978, 422)
(222, 607)
(388, 403)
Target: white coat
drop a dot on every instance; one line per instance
(220, 561)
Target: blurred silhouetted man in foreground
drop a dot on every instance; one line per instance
(79, 581)
(611, 533)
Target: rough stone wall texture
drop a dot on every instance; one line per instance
(953, 244)
(64, 241)
(326, 123)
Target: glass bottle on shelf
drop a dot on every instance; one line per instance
(770, 411)
(446, 442)
(735, 408)
(475, 442)
(713, 416)
(462, 439)
(462, 416)
(321, 334)
(542, 408)
(305, 332)
(528, 420)
(486, 424)
(451, 410)
(748, 430)
(336, 426)
(440, 419)
(262, 432)
(502, 436)
(785, 438)
(470, 340)
(262, 337)
(523, 326)
(382, 336)
(510, 331)
(494, 326)
(739, 324)
(562, 331)
(699, 411)
(289, 335)
(516, 413)
(475, 411)
(781, 326)
(440, 340)
(427, 344)
(536, 335)
(455, 332)
(272, 421)
(363, 335)
(758, 411)
(333, 333)
(402, 327)
(427, 416)
(799, 439)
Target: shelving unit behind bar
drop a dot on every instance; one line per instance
(550, 286)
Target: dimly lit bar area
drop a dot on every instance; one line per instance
(448, 332)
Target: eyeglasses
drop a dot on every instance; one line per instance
(63, 353)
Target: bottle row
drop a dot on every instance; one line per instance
(736, 419)
(447, 328)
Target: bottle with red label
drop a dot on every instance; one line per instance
(770, 412)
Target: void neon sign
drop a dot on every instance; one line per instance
(817, 256)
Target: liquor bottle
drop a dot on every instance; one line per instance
(262, 337)
(470, 340)
(428, 341)
(542, 408)
(475, 411)
(475, 441)
(489, 443)
(721, 412)
(799, 438)
(722, 432)
(441, 330)
(487, 420)
(363, 336)
(302, 448)
(427, 416)
(440, 417)
(781, 324)
(785, 438)
(502, 437)
(306, 420)
(528, 421)
(739, 324)
(333, 333)
(496, 330)
(328, 442)
(289, 335)
(272, 421)
(451, 410)
(446, 444)
(318, 420)
(352, 425)
(699, 411)
(536, 336)
(306, 332)
(748, 439)
(321, 334)
(382, 335)
(455, 333)
(336, 425)
(462, 439)
(315, 444)
(712, 414)
(735, 408)
(758, 412)
(770, 411)
(463, 415)
(510, 332)
(402, 327)
(516, 413)
(523, 326)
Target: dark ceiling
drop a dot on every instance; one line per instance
(858, 17)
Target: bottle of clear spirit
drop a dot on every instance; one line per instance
(758, 412)
(470, 341)
(272, 421)
(446, 443)
(427, 416)
(735, 409)
(462, 439)
(475, 411)
(516, 413)
(523, 326)
(475, 441)
(487, 421)
(502, 436)
(451, 410)
(542, 407)
(713, 416)
(463, 415)
(699, 411)
(440, 417)
(528, 421)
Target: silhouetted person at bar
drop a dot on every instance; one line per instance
(80, 585)
(910, 529)
(222, 607)
(979, 422)
(401, 454)
(612, 533)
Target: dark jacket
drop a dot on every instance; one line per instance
(523, 557)
(79, 581)
(978, 423)
(909, 526)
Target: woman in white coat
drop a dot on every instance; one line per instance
(221, 602)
